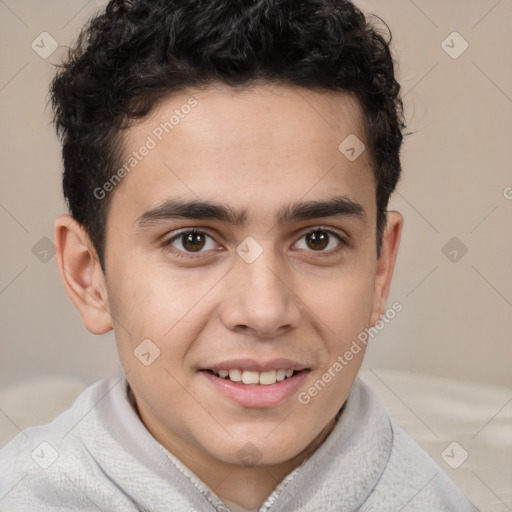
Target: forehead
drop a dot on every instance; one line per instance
(260, 147)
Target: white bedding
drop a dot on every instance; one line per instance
(437, 412)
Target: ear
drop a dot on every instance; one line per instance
(386, 264)
(81, 274)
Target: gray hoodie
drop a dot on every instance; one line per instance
(98, 456)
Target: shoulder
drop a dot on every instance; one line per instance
(49, 464)
(414, 481)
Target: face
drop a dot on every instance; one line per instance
(243, 241)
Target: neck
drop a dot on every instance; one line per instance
(247, 486)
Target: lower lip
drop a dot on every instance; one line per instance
(257, 395)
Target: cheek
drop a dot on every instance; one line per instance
(346, 314)
(164, 306)
(152, 299)
(346, 303)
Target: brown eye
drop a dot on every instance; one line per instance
(190, 241)
(193, 241)
(317, 240)
(320, 240)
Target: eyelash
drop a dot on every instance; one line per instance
(166, 244)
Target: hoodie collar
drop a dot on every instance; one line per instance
(340, 474)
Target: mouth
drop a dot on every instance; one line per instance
(252, 388)
(249, 377)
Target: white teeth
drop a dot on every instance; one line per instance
(250, 377)
(268, 378)
(235, 375)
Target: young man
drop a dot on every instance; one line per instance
(228, 166)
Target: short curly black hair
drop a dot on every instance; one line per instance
(136, 52)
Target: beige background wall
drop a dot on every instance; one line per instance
(456, 318)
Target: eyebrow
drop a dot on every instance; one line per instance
(172, 209)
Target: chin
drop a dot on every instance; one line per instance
(260, 450)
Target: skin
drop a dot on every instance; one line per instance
(260, 149)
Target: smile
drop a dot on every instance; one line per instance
(250, 388)
(251, 377)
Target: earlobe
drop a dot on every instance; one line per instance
(386, 263)
(81, 274)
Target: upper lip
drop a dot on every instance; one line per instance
(258, 366)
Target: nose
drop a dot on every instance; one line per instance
(259, 299)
